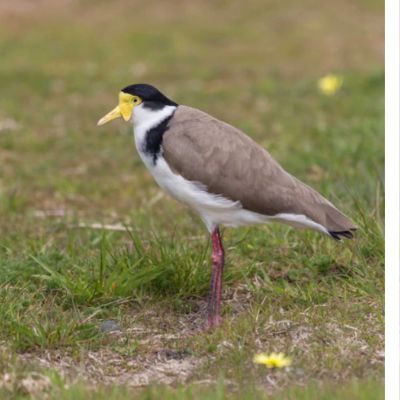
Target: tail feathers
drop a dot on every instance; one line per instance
(338, 235)
(337, 224)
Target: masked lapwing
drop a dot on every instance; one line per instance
(221, 173)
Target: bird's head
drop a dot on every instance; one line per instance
(138, 95)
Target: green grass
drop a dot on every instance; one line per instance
(257, 67)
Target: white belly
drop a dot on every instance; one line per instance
(215, 209)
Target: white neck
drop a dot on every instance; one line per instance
(145, 118)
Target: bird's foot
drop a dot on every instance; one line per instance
(213, 321)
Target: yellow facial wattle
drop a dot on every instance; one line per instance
(124, 109)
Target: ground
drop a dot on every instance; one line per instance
(104, 278)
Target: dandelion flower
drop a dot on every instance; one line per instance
(330, 84)
(273, 360)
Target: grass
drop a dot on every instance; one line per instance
(319, 301)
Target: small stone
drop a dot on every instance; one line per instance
(109, 326)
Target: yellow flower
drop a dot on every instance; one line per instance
(273, 360)
(330, 84)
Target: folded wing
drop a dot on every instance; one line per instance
(229, 163)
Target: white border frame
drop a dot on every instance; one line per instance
(392, 110)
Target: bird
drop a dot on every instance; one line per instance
(221, 173)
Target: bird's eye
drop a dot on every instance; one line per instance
(135, 100)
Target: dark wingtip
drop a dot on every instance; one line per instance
(337, 235)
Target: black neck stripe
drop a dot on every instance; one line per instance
(154, 136)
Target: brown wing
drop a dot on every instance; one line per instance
(228, 162)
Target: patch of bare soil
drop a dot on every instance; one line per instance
(107, 367)
(118, 362)
(113, 363)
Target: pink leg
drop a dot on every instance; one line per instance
(216, 279)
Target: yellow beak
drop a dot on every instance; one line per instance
(114, 114)
(123, 109)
